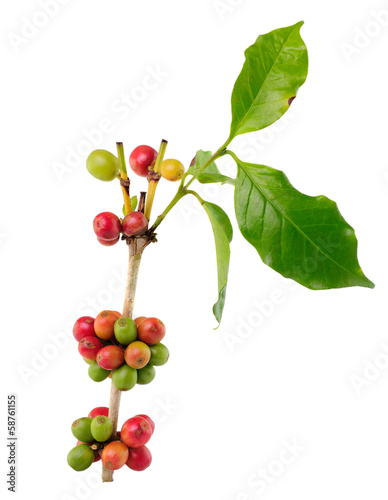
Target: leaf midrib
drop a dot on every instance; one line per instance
(264, 82)
(298, 228)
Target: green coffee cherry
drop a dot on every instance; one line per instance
(80, 457)
(103, 165)
(159, 354)
(146, 375)
(81, 429)
(125, 330)
(97, 373)
(101, 428)
(124, 378)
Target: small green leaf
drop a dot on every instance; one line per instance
(301, 237)
(133, 203)
(211, 173)
(223, 234)
(274, 69)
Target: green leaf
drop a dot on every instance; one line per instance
(274, 69)
(301, 237)
(211, 173)
(133, 203)
(223, 234)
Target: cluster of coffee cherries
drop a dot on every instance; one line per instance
(95, 441)
(108, 227)
(105, 166)
(124, 349)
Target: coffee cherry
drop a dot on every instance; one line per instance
(96, 454)
(159, 354)
(141, 159)
(124, 378)
(137, 354)
(125, 330)
(139, 458)
(107, 226)
(97, 373)
(81, 442)
(81, 429)
(114, 455)
(83, 327)
(108, 243)
(136, 432)
(101, 428)
(149, 420)
(135, 223)
(139, 320)
(146, 375)
(88, 361)
(104, 324)
(151, 331)
(103, 165)
(89, 347)
(110, 357)
(100, 410)
(80, 457)
(172, 170)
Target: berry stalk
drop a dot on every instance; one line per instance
(153, 182)
(124, 177)
(136, 247)
(182, 190)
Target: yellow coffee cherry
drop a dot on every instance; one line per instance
(172, 170)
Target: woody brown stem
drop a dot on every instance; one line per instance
(136, 247)
(142, 201)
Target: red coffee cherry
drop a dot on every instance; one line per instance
(100, 410)
(139, 320)
(151, 331)
(83, 327)
(110, 357)
(139, 458)
(107, 226)
(135, 223)
(108, 243)
(141, 159)
(149, 420)
(89, 347)
(136, 432)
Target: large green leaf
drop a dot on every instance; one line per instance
(209, 174)
(274, 69)
(223, 234)
(302, 237)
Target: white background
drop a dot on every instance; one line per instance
(223, 413)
